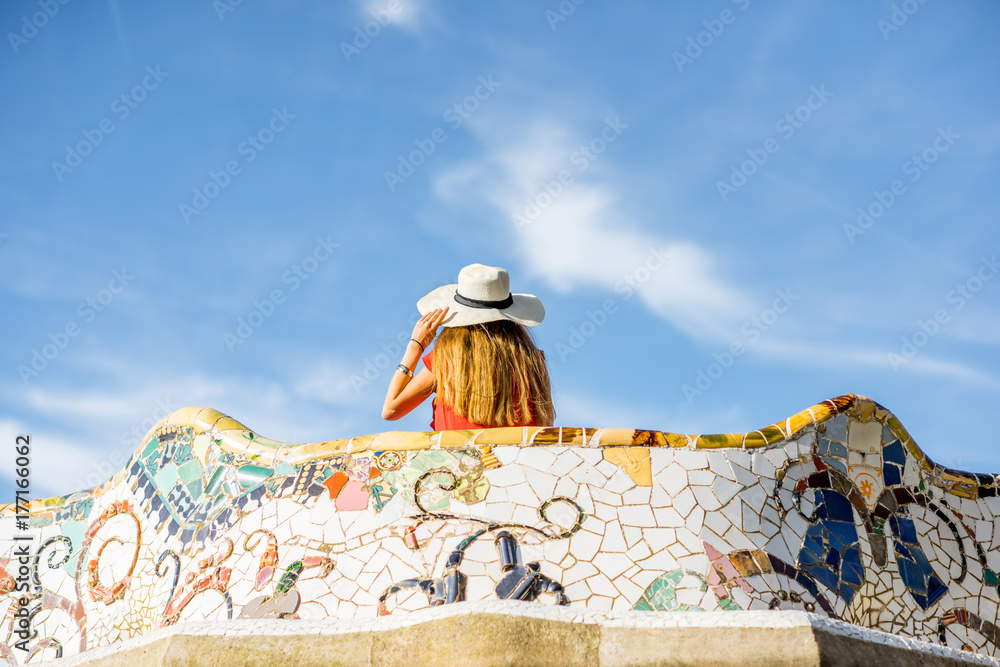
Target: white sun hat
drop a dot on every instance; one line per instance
(483, 295)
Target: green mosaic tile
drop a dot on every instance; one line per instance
(153, 447)
(250, 476)
(166, 478)
(190, 471)
(284, 468)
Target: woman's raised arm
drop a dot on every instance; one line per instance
(406, 391)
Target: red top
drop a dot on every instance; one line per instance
(444, 418)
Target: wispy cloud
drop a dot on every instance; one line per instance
(824, 355)
(120, 31)
(578, 234)
(56, 460)
(411, 15)
(292, 409)
(73, 404)
(329, 382)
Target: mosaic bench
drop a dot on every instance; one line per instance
(834, 510)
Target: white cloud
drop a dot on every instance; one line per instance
(86, 434)
(841, 356)
(976, 325)
(930, 366)
(82, 437)
(580, 236)
(407, 14)
(330, 382)
(74, 404)
(56, 461)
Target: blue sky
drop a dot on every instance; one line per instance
(667, 177)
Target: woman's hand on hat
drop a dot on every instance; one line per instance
(426, 327)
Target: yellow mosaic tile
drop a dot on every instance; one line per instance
(607, 437)
(456, 438)
(677, 440)
(512, 435)
(715, 441)
(546, 435)
(572, 436)
(225, 423)
(633, 460)
(754, 440)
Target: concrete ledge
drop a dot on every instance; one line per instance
(518, 633)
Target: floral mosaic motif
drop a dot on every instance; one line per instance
(519, 581)
(286, 600)
(208, 575)
(662, 593)
(99, 591)
(834, 510)
(830, 554)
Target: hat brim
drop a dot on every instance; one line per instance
(526, 310)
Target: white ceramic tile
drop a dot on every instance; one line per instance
(612, 564)
(632, 535)
(691, 460)
(639, 551)
(506, 455)
(695, 520)
(506, 475)
(636, 515)
(543, 484)
(639, 495)
(606, 497)
(614, 540)
(725, 490)
(669, 517)
(673, 479)
(706, 500)
(538, 458)
(523, 494)
(565, 461)
(684, 502)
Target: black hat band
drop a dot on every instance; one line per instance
(476, 303)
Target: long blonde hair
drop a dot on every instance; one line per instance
(493, 374)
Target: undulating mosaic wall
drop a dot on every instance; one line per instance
(834, 510)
